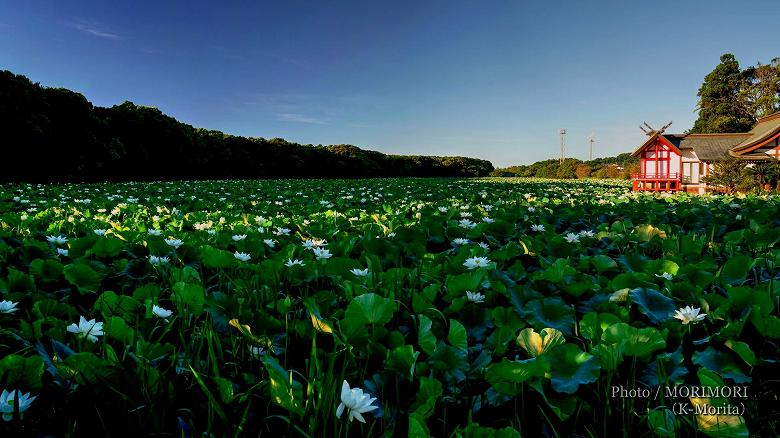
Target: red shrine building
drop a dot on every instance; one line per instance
(673, 162)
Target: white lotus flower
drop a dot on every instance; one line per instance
(391, 234)
(460, 241)
(290, 263)
(8, 399)
(665, 275)
(572, 238)
(161, 312)
(443, 209)
(244, 257)
(587, 233)
(322, 253)
(176, 243)
(537, 228)
(59, 240)
(488, 220)
(270, 243)
(154, 232)
(62, 252)
(282, 231)
(237, 237)
(484, 246)
(359, 272)
(8, 307)
(466, 223)
(476, 262)
(89, 329)
(475, 297)
(158, 260)
(356, 402)
(689, 315)
(99, 232)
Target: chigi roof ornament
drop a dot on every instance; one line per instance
(651, 131)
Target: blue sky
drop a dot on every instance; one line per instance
(493, 79)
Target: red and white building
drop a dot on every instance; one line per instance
(673, 162)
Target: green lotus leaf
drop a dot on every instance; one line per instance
(653, 304)
(662, 422)
(636, 342)
(735, 269)
(604, 263)
(425, 338)
(285, 391)
(505, 375)
(402, 360)
(457, 335)
(188, 297)
(666, 369)
(720, 363)
(425, 401)
(46, 270)
(216, 258)
(83, 277)
(110, 304)
(474, 430)
(571, 367)
(550, 312)
(18, 371)
(370, 309)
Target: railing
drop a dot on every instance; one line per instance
(656, 176)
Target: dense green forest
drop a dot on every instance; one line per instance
(54, 134)
(608, 167)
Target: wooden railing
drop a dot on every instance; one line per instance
(656, 176)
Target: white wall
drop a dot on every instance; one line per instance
(674, 164)
(690, 165)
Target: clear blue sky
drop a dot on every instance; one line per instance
(489, 79)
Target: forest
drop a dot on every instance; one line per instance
(57, 135)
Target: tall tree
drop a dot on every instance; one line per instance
(762, 93)
(721, 104)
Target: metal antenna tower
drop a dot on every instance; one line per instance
(563, 144)
(591, 140)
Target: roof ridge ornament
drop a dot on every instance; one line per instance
(652, 131)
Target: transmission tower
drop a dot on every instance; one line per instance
(563, 144)
(591, 140)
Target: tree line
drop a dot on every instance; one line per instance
(620, 166)
(57, 135)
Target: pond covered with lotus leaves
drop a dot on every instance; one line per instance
(386, 307)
